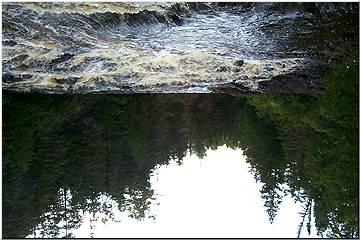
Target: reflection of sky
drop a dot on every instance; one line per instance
(212, 197)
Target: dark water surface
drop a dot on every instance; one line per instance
(64, 155)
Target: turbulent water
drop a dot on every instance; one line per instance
(148, 47)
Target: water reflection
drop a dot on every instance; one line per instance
(188, 206)
(64, 155)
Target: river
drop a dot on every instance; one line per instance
(169, 47)
(180, 120)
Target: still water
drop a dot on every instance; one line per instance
(185, 204)
(180, 165)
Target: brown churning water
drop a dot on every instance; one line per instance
(145, 47)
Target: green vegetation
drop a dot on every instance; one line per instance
(320, 141)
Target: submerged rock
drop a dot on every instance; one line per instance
(239, 63)
(62, 58)
(9, 43)
(68, 81)
(222, 69)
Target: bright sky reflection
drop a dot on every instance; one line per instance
(211, 197)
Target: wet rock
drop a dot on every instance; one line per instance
(10, 78)
(301, 81)
(176, 19)
(239, 63)
(291, 83)
(306, 81)
(152, 17)
(233, 88)
(222, 69)
(68, 81)
(9, 43)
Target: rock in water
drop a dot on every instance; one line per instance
(239, 63)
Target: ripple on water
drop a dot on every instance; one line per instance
(70, 52)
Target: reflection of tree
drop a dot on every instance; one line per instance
(305, 213)
(320, 141)
(61, 217)
(63, 154)
(88, 146)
